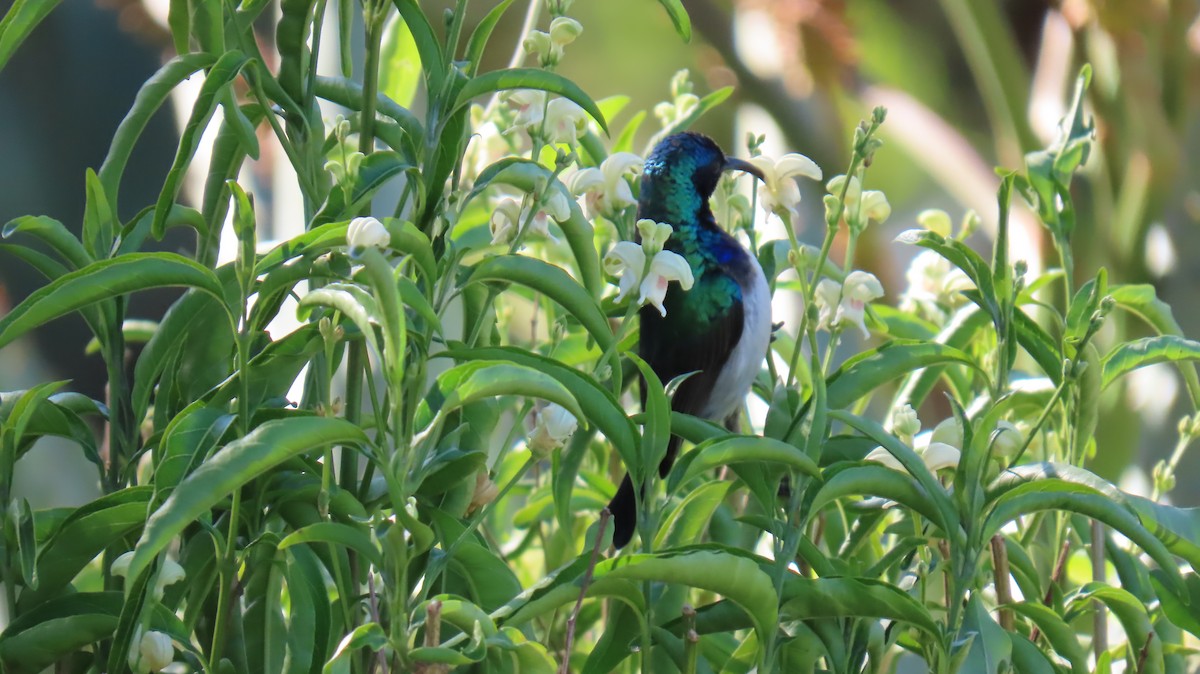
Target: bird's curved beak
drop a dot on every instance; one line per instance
(735, 164)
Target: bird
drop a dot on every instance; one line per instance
(720, 329)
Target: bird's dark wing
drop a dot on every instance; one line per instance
(672, 349)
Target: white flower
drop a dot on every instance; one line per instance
(607, 190)
(367, 232)
(485, 491)
(1006, 440)
(935, 220)
(565, 121)
(780, 193)
(150, 651)
(564, 30)
(553, 427)
(850, 298)
(530, 104)
(905, 423)
(509, 217)
(664, 268)
(170, 573)
(627, 261)
(829, 293)
(862, 207)
(933, 280)
(935, 452)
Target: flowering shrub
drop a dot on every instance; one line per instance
(433, 498)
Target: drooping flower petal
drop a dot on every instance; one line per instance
(626, 260)
(150, 651)
(565, 121)
(554, 426)
(664, 268)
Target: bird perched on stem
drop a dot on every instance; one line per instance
(721, 327)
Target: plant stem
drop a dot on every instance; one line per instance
(565, 666)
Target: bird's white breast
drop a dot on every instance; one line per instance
(746, 360)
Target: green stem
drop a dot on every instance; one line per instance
(356, 360)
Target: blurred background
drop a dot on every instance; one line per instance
(970, 85)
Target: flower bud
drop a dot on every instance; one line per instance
(485, 491)
(1006, 440)
(905, 423)
(150, 652)
(367, 232)
(654, 235)
(936, 221)
(564, 30)
(553, 428)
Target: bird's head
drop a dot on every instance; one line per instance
(681, 174)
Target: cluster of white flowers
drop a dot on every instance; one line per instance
(557, 121)
(840, 304)
(627, 261)
(941, 448)
(779, 193)
(605, 189)
(548, 47)
(508, 217)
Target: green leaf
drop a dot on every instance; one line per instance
(551, 281)
(369, 635)
(1131, 612)
(733, 449)
(483, 379)
(1062, 637)
(735, 577)
(862, 374)
(373, 173)
(1180, 610)
(427, 45)
(337, 534)
(220, 76)
(479, 36)
(656, 430)
(809, 598)
(236, 464)
(1147, 351)
(688, 520)
(679, 18)
(37, 639)
(991, 649)
(188, 439)
(400, 63)
(1048, 486)
(528, 78)
(83, 535)
(99, 222)
(104, 280)
(872, 479)
(309, 630)
(20, 20)
(1142, 301)
(54, 234)
(27, 549)
(149, 100)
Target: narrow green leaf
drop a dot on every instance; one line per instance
(483, 379)
(1062, 637)
(733, 449)
(809, 598)
(479, 37)
(991, 649)
(679, 18)
(27, 549)
(400, 63)
(369, 635)
(1134, 619)
(20, 20)
(1139, 353)
(36, 640)
(220, 76)
(149, 99)
(1142, 301)
(553, 282)
(336, 533)
(233, 466)
(529, 78)
(54, 234)
(656, 429)
(104, 280)
(427, 44)
(862, 374)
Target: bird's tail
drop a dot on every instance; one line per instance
(624, 513)
(624, 505)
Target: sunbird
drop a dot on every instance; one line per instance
(720, 328)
